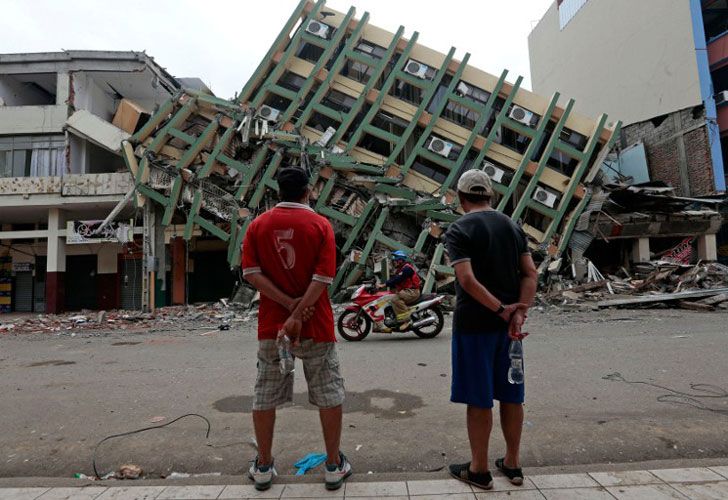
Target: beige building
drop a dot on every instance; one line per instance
(637, 60)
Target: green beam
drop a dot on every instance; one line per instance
(267, 176)
(436, 258)
(335, 69)
(436, 114)
(532, 148)
(374, 109)
(280, 67)
(178, 119)
(576, 178)
(194, 210)
(212, 228)
(376, 73)
(431, 88)
(275, 47)
(158, 117)
(171, 202)
(200, 144)
(484, 112)
(360, 223)
(397, 192)
(219, 147)
(484, 115)
(252, 170)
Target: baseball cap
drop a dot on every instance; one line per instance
(292, 178)
(475, 182)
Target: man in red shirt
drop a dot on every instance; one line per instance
(289, 255)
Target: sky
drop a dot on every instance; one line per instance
(222, 41)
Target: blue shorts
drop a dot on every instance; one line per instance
(480, 370)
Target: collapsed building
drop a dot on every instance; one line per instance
(386, 126)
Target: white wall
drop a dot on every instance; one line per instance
(630, 59)
(91, 97)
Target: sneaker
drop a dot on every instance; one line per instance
(262, 475)
(515, 475)
(337, 474)
(462, 472)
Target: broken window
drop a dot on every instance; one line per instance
(460, 115)
(36, 89)
(370, 49)
(309, 52)
(430, 169)
(321, 122)
(513, 140)
(292, 81)
(357, 71)
(375, 145)
(406, 92)
(574, 139)
(338, 101)
(472, 92)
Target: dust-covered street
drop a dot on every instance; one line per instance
(609, 386)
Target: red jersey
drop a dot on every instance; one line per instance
(292, 245)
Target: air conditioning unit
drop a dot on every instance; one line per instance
(545, 197)
(721, 97)
(439, 146)
(496, 174)
(463, 89)
(521, 115)
(318, 29)
(326, 137)
(268, 114)
(416, 68)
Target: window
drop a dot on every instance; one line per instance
(357, 71)
(460, 115)
(292, 81)
(321, 122)
(309, 52)
(568, 9)
(338, 101)
(370, 49)
(408, 93)
(430, 170)
(26, 156)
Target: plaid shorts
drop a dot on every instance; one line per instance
(320, 366)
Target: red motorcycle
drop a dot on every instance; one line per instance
(372, 309)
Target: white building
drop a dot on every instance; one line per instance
(59, 163)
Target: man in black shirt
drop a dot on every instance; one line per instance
(496, 283)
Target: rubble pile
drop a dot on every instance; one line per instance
(702, 287)
(218, 315)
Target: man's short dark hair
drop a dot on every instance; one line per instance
(292, 184)
(475, 199)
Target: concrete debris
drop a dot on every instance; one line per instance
(702, 287)
(195, 316)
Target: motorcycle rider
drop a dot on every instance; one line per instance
(406, 285)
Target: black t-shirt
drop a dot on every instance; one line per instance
(493, 244)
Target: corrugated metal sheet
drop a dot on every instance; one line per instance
(131, 284)
(568, 9)
(23, 291)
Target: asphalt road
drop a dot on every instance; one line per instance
(60, 395)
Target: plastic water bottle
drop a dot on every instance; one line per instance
(515, 353)
(284, 353)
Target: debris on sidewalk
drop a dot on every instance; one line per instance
(129, 471)
(193, 316)
(701, 287)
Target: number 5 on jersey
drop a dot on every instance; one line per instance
(286, 252)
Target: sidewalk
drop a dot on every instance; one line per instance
(697, 483)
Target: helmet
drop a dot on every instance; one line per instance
(399, 255)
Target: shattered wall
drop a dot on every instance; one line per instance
(386, 127)
(678, 150)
